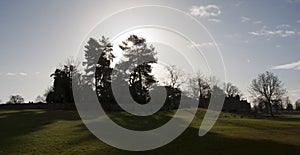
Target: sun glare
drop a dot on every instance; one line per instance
(130, 44)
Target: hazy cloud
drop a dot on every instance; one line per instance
(283, 26)
(15, 74)
(280, 30)
(10, 74)
(245, 19)
(293, 1)
(23, 74)
(213, 20)
(257, 22)
(238, 3)
(205, 10)
(203, 45)
(290, 66)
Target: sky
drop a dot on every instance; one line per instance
(253, 36)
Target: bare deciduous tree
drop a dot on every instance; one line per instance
(267, 88)
(176, 76)
(199, 86)
(15, 99)
(231, 90)
(40, 99)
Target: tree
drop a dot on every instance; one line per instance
(267, 88)
(99, 56)
(40, 98)
(15, 99)
(172, 87)
(231, 90)
(289, 107)
(92, 55)
(199, 86)
(297, 105)
(175, 76)
(288, 104)
(104, 71)
(61, 91)
(140, 55)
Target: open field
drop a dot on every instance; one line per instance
(62, 132)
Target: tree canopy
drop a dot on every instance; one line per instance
(267, 88)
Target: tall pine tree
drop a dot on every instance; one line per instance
(98, 55)
(138, 67)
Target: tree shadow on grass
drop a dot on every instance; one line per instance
(15, 124)
(190, 143)
(18, 123)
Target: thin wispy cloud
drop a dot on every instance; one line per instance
(238, 3)
(203, 45)
(245, 19)
(298, 21)
(23, 74)
(213, 20)
(205, 10)
(289, 66)
(10, 74)
(257, 22)
(16, 74)
(283, 26)
(280, 31)
(293, 1)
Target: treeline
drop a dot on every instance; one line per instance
(135, 73)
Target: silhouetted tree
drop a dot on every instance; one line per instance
(15, 99)
(104, 71)
(137, 67)
(200, 88)
(297, 105)
(99, 56)
(267, 87)
(62, 86)
(172, 86)
(175, 76)
(40, 98)
(289, 107)
(231, 90)
(278, 105)
(92, 55)
(259, 104)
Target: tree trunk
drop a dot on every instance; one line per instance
(270, 109)
(140, 77)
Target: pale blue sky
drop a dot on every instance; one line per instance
(254, 36)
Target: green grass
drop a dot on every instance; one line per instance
(62, 132)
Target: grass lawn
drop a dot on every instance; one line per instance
(62, 132)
